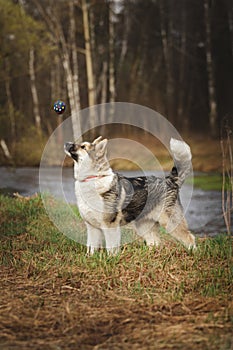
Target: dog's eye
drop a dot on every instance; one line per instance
(83, 146)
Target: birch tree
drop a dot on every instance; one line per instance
(88, 55)
(91, 92)
(35, 99)
(72, 77)
(112, 85)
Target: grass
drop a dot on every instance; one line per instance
(209, 182)
(53, 296)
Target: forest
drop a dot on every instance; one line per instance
(175, 57)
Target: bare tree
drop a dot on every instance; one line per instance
(35, 99)
(10, 101)
(56, 90)
(112, 87)
(89, 65)
(103, 91)
(181, 92)
(74, 54)
(210, 72)
(167, 53)
(124, 44)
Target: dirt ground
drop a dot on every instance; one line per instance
(64, 314)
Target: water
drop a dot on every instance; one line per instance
(204, 212)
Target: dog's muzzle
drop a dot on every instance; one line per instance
(70, 149)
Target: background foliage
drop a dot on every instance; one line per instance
(173, 56)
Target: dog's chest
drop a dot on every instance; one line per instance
(90, 203)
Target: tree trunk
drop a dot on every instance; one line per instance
(35, 99)
(167, 53)
(10, 104)
(74, 52)
(89, 67)
(112, 83)
(112, 89)
(90, 75)
(73, 98)
(5, 149)
(71, 77)
(230, 23)
(56, 93)
(210, 74)
(55, 79)
(103, 92)
(183, 121)
(124, 43)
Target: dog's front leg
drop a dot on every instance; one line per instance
(94, 239)
(112, 239)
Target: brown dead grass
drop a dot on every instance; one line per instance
(52, 312)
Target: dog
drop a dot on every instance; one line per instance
(108, 200)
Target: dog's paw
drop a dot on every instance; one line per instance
(113, 251)
(192, 245)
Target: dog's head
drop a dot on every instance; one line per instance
(79, 151)
(89, 157)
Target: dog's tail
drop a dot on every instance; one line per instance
(182, 158)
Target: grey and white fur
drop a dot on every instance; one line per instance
(107, 200)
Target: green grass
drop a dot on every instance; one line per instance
(209, 182)
(62, 296)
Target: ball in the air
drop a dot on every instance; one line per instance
(59, 107)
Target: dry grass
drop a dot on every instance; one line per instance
(58, 313)
(55, 297)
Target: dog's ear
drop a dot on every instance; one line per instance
(100, 148)
(97, 140)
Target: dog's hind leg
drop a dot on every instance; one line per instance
(149, 231)
(94, 239)
(182, 234)
(177, 227)
(112, 239)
